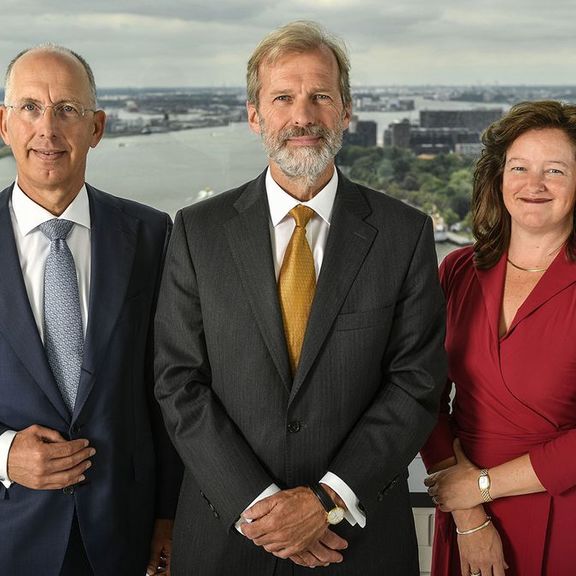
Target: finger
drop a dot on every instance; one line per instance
(325, 555)
(458, 452)
(430, 480)
(67, 478)
(45, 434)
(333, 541)
(260, 509)
(298, 560)
(66, 449)
(311, 560)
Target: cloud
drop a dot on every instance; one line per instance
(190, 42)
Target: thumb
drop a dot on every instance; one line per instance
(258, 510)
(458, 452)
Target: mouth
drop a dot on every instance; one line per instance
(47, 155)
(304, 140)
(535, 200)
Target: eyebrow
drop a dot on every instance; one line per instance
(525, 160)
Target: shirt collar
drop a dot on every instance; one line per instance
(30, 215)
(281, 202)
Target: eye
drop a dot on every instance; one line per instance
(322, 97)
(517, 169)
(29, 107)
(67, 109)
(554, 171)
(282, 98)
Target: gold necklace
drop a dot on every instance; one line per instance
(526, 269)
(536, 269)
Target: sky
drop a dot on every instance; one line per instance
(141, 43)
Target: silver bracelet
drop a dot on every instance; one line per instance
(472, 530)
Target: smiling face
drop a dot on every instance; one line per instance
(539, 181)
(300, 115)
(50, 153)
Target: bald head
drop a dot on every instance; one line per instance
(59, 52)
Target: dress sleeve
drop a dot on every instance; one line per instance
(554, 463)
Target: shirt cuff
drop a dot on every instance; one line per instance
(272, 489)
(6, 439)
(353, 514)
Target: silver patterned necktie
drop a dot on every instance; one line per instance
(63, 333)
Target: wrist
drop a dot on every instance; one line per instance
(334, 495)
(470, 518)
(484, 484)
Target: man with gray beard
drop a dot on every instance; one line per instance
(299, 334)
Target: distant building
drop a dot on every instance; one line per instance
(474, 119)
(361, 133)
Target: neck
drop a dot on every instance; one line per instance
(536, 251)
(54, 200)
(301, 188)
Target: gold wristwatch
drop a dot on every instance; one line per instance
(484, 485)
(334, 513)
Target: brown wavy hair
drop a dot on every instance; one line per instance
(491, 220)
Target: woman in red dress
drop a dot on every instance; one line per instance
(503, 456)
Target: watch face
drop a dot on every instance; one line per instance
(336, 515)
(484, 482)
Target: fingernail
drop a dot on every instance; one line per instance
(88, 464)
(92, 452)
(82, 478)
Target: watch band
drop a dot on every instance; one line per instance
(323, 496)
(484, 485)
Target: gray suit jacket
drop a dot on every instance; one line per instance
(361, 403)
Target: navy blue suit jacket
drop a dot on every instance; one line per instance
(133, 477)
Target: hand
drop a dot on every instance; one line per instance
(41, 459)
(323, 552)
(160, 548)
(482, 552)
(456, 487)
(286, 523)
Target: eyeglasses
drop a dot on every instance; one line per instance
(66, 112)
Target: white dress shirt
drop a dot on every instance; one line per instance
(33, 249)
(281, 227)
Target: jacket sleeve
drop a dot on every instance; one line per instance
(401, 416)
(209, 443)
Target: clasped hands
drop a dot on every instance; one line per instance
(456, 487)
(292, 524)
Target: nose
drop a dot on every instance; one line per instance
(303, 112)
(47, 122)
(537, 181)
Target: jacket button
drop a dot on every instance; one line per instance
(294, 427)
(68, 490)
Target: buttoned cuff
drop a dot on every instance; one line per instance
(272, 489)
(6, 439)
(354, 514)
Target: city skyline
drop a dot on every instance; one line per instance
(192, 43)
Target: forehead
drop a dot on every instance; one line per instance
(318, 67)
(554, 143)
(49, 75)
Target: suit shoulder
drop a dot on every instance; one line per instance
(384, 202)
(130, 207)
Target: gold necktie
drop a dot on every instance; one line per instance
(297, 284)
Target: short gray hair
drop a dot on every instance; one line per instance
(56, 49)
(297, 37)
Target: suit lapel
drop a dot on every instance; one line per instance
(17, 322)
(249, 238)
(349, 242)
(113, 244)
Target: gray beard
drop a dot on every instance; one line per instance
(306, 163)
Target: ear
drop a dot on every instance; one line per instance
(347, 115)
(98, 125)
(253, 118)
(3, 125)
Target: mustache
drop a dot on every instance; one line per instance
(299, 131)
